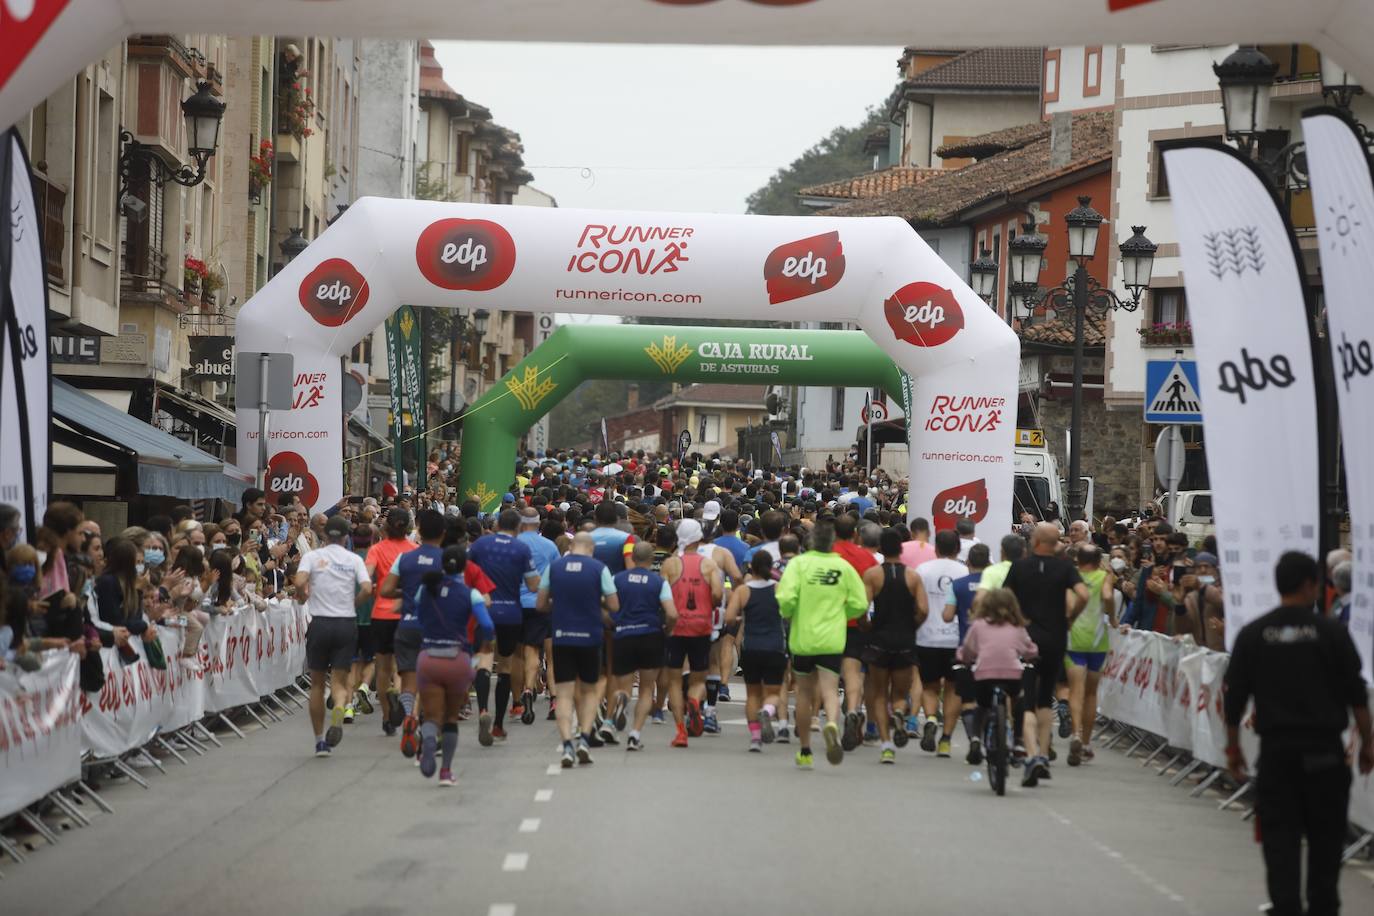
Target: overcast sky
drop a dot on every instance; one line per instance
(665, 127)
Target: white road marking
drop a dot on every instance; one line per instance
(543, 795)
(501, 909)
(554, 769)
(529, 825)
(515, 861)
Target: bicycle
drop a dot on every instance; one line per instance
(997, 741)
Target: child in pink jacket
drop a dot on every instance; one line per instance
(997, 641)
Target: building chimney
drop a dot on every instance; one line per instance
(1061, 139)
(632, 396)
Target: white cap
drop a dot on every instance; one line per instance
(565, 506)
(711, 512)
(688, 531)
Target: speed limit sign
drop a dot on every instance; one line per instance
(875, 412)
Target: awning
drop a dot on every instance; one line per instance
(166, 465)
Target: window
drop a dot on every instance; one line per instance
(1159, 183)
(708, 424)
(1168, 306)
(837, 408)
(1051, 76)
(1092, 71)
(460, 159)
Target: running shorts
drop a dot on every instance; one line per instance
(384, 633)
(576, 663)
(407, 646)
(454, 675)
(536, 628)
(762, 667)
(855, 641)
(509, 637)
(330, 642)
(889, 659)
(730, 629)
(367, 645)
(935, 664)
(1093, 661)
(807, 664)
(1042, 676)
(637, 653)
(964, 683)
(696, 650)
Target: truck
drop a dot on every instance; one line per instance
(1037, 483)
(1193, 514)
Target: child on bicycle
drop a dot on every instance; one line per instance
(997, 640)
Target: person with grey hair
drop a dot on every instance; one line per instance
(1341, 579)
(967, 538)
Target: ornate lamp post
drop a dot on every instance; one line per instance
(203, 113)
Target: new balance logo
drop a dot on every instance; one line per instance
(824, 577)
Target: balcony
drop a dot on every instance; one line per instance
(1171, 334)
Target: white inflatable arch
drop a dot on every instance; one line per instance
(877, 272)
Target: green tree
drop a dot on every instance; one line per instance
(839, 155)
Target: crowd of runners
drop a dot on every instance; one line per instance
(614, 594)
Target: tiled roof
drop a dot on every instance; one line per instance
(711, 393)
(1059, 331)
(940, 199)
(433, 85)
(984, 69)
(870, 184)
(998, 141)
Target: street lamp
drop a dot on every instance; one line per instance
(1338, 84)
(480, 319)
(983, 273)
(1246, 77)
(1081, 292)
(293, 244)
(204, 113)
(1025, 253)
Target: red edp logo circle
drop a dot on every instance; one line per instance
(923, 314)
(966, 501)
(465, 254)
(288, 475)
(333, 292)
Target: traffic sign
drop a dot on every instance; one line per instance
(1171, 391)
(874, 411)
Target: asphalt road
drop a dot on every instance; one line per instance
(261, 826)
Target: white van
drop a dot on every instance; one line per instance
(1194, 514)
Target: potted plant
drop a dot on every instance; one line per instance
(193, 275)
(210, 284)
(260, 170)
(1167, 333)
(295, 106)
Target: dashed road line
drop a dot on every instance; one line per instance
(515, 861)
(543, 795)
(529, 825)
(501, 909)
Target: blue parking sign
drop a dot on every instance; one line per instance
(1171, 391)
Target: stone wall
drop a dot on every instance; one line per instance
(1113, 451)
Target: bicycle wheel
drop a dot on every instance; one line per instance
(999, 780)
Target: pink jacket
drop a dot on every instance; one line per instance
(998, 650)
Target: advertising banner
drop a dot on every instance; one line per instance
(1343, 191)
(128, 710)
(212, 358)
(40, 730)
(250, 653)
(1254, 357)
(25, 389)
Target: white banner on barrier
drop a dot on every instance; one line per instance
(40, 732)
(127, 711)
(250, 653)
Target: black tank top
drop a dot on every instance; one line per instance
(762, 622)
(894, 611)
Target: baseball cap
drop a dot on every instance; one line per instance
(337, 528)
(664, 472)
(529, 517)
(688, 531)
(507, 497)
(712, 510)
(1204, 557)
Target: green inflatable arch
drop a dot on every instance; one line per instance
(572, 355)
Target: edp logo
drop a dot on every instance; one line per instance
(1254, 373)
(807, 267)
(1356, 359)
(291, 483)
(470, 254)
(338, 291)
(961, 506)
(929, 314)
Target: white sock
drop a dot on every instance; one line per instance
(634, 733)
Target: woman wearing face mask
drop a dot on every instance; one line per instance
(1207, 603)
(1088, 647)
(119, 597)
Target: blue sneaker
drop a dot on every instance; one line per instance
(709, 724)
(913, 725)
(724, 695)
(656, 717)
(322, 749)
(428, 746)
(871, 732)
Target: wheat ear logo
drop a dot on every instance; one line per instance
(483, 494)
(529, 391)
(669, 356)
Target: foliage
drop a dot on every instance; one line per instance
(195, 272)
(295, 106)
(577, 418)
(260, 166)
(429, 188)
(1167, 332)
(839, 155)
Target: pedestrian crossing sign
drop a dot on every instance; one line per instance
(1171, 391)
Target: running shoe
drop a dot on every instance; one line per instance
(784, 734)
(1042, 767)
(694, 721)
(484, 729)
(1031, 778)
(913, 726)
(871, 735)
(766, 732)
(427, 762)
(465, 713)
(943, 748)
(607, 733)
(517, 710)
(633, 743)
(1018, 754)
(363, 702)
(709, 724)
(527, 710)
(928, 737)
(498, 733)
(622, 703)
(584, 752)
(569, 758)
(1053, 755)
(1061, 709)
(804, 759)
(388, 729)
(348, 714)
(335, 733)
(322, 749)
(975, 752)
(592, 740)
(398, 712)
(409, 743)
(833, 751)
(680, 739)
(553, 710)
(601, 710)
(1075, 751)
(329, 700)
(657, 717)
(724, 695)
(887, 756)
(446, 779)
(898, 729)
(755, 746)
(1088, 753)
(853, 733)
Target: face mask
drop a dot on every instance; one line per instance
(1118, 564)
(42, 558)
(1207, 580)
(154, 556)
(139, 568)
(23, 574)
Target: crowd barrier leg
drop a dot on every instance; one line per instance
(1354, 848)
(128, 771)
(1130, 751)
(1117, 737)
(191, 741)
(1169, 764)
(1185, 772)
(1203, 786)
(232, 727)
(36, 824)
(1163, 746)
(271, 713)
(257, 718)
(80, 785)
(162, 743)
(274, 705)
(68, 807)
(286, 692)
(10, 849)
(1236, 795)
(148, 756)
(208, 735)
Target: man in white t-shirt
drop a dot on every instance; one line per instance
(966, 537)
(335, 581)
(937, 641)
